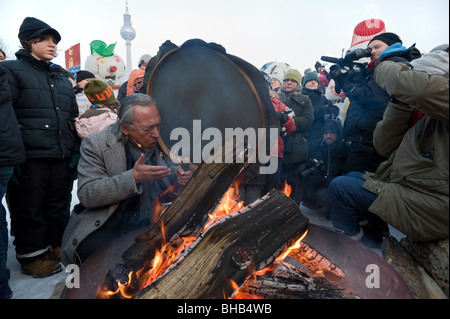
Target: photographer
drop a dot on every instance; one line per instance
(409, 190)
(327, 162)
(367, 100)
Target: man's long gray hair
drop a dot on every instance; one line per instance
(127, 105)
(126, 110)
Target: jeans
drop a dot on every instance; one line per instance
(5, 175)
(349, 202)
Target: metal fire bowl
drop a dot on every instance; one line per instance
(363, 268)
(350, 256)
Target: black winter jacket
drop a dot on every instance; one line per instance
(45, 106)
(12, 151)
(367, 104)
(333, 156)
(323, 109)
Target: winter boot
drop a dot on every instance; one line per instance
(41, 267)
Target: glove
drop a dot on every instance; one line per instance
(282, 117)
(357, 54)
(317, 66)
(335, 71)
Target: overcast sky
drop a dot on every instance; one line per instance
(297, 32)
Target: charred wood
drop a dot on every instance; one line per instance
(231, 250)
(290, 282)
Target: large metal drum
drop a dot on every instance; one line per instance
(200, 81)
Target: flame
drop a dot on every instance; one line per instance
(229, 204)
(287, 189)
(242, 295)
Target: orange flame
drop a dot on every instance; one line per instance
(229, 204)
(241, 295)
(287, 189)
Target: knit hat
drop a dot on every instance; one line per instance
(83, 75)
(32, 28)
(98, 92)
(366, 30)
(388, 37)
(277, 77)
(294, 75)
(331, 126)
(309, 77)
(144, 59)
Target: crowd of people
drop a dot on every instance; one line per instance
(387, 163)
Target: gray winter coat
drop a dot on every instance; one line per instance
(103, 183)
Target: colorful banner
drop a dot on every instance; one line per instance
(73, 59)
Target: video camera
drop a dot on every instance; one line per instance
(314, 166)
(350, 57)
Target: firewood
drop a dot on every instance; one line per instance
(290, 282)
(406, 266)
(186, 216)
(231, 250)
(433, 257)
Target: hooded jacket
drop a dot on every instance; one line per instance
(412, 185)
(45, 106)
(333, 155)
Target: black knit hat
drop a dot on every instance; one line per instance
(388, 37)
(331, 126)
(32, 28)
(83, 75)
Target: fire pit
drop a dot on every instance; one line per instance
(350, 257)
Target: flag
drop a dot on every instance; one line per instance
(73, 59)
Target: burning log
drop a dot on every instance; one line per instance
(186, 216)
(287, 281)
(231, 250)
(304, 274)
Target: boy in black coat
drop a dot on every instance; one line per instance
(45, 108)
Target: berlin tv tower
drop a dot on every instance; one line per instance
(128, 34)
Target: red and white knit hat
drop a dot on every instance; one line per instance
(366, 30)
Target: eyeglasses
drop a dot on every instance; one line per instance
(148, 129)
(289, 80)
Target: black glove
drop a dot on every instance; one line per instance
(357, 54)
(282, 117)
(335, 71)
(317, 66)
